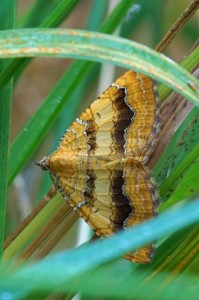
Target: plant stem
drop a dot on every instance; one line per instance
(6, 22)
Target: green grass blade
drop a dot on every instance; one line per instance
(67, 265)
(183, 141)
(52, 19)
(97, 12)
(43, 120)
(59, 13)
(115, 283)
(180, 169)
(50, 15)
(123, 279)
(179, 155)
(35, 13)
(7, 21)
(29, 138)
(189, 64)
(101, 48)
(115, 18)
(33, 228)
(188, 184)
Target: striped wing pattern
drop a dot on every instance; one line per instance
(100, 164)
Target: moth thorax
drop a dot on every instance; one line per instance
(62, 163)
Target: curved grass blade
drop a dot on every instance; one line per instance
(108, 26)
(67, 265)
(102, 48)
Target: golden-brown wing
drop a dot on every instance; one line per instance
(123, 121)
(141, 190)
(92, 133)
(142, 134)
(110, 195)
(88, 192)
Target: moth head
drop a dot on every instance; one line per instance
(43, 163)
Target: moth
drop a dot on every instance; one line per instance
(100, 164)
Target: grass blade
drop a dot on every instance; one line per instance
(6, 22)
(50, 15)
(102, 48)
(59, 12)
(41, 275)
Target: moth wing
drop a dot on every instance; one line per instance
(135, 199)
(88, 193)
(142, 134)
(124, 120)
(141, 189)
(122, 198)
(92, 133)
